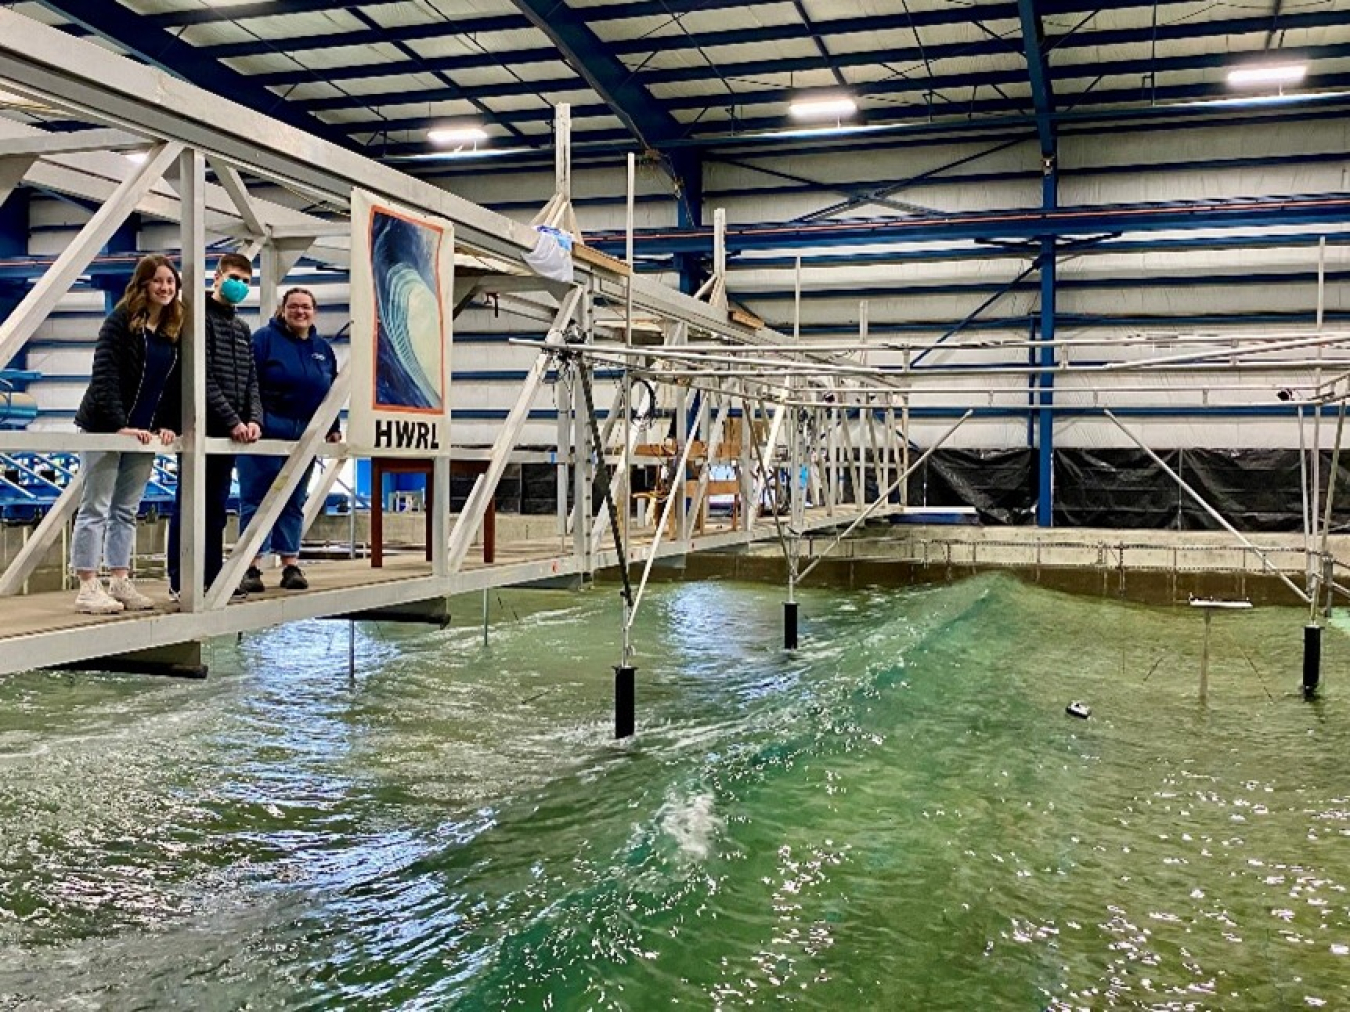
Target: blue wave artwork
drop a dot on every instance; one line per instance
(408, 313)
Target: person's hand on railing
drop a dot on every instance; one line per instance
(167, 436)
(142, 435)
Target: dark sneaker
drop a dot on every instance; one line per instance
(293, 579)
(252, 581)
(238, 594)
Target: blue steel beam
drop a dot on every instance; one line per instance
(1009, 46)
(240, 12)
(271, 8)
(605, 146)
(1102, 284)
(368, 36)
(119, 24)
(1038, 72)
(1140, 102)
(986, 178)
(1073, 221)
(643, 45)
(1042, 383)
(966, 50)
(645, 118)
(791, 31)
(20, 267)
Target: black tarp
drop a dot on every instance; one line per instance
(1000, 484)
(1115, 488)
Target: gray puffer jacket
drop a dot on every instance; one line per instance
(231, 376)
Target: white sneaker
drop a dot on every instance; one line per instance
(122, 589)
(94, 600)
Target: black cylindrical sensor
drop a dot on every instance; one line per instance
(625, 700)
(1312, 659)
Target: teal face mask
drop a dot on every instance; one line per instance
(233, 291)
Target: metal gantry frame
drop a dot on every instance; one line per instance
(817, 419)
(187, 131)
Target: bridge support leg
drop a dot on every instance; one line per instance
(789, 625)
(435, 611)
(177, 660)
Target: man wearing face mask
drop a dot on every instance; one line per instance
(233, 408)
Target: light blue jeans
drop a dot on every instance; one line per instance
(105, 529)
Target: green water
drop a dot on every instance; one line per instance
(899, 816)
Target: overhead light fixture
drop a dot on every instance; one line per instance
(1268, 74)
(834, 107)
(446, 137)
(838, 130)
(457, 155)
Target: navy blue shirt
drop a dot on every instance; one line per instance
(294, 373)
(160, 355)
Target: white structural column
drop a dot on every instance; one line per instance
(35, 548)
(192, 461)
(309, 443)
(12, 170)
(582, 472)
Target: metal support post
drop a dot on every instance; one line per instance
(35, 547)
(297, 463)
(582, 472)
(192, 461)
(1045, 416)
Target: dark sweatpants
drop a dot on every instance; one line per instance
(219, 469)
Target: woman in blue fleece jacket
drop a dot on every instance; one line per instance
(296, 368)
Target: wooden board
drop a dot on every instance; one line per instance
(604, 261)
(746, 319)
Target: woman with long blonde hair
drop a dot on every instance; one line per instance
(135, 390)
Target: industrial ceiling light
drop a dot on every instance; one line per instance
(835, 107)
(1267, 74)
(456, 137)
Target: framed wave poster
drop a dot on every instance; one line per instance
(402, 302)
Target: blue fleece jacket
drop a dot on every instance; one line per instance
(294, 374)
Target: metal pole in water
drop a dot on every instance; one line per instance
(1312, 659)
(351, 649)
(1204, 659)
(485, 617)
(790, 625)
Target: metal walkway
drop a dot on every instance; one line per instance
(40, 630)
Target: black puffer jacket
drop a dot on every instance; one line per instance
(231, 375)
(119, 369)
